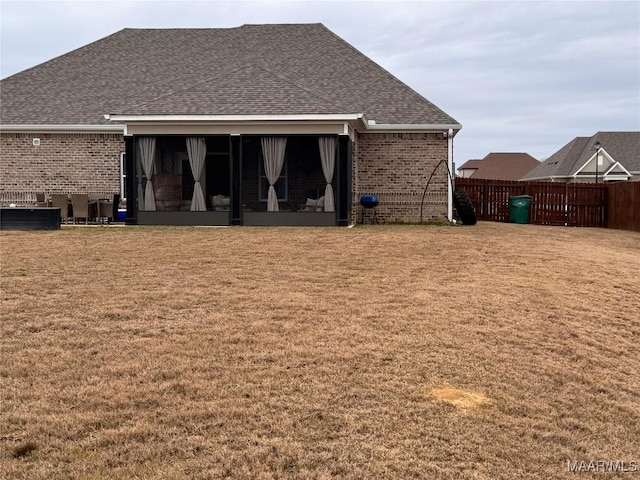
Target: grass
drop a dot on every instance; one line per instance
(494, 351)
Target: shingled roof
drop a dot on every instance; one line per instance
(624, 147)
(248, 70)
(502, 166)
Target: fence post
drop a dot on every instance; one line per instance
(485, 201)
(566, 204)
(603, 205)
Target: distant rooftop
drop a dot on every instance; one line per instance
(501, 166)
(624, 147)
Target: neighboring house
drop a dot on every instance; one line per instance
(226, 126)
(499, 166)
(469, 168)
(617, 154)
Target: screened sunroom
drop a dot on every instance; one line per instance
(297, 179)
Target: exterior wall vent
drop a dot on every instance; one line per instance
(36, 142)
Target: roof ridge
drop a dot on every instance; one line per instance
(282, 24)
(222, 73)
(57, 58)
(291, 82)
(187, 88)
(581, 147)
(222, 28)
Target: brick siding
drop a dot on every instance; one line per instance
(395, 167)
(63, 163)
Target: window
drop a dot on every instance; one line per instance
(280, 186)
(123, 176)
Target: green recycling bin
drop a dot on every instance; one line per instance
(519, 208)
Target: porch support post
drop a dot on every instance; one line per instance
(451, 174)
(131, 182)
(344, 168)
(235, 147)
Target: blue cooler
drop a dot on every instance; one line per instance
(122, 215)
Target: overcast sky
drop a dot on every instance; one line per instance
(520, 76)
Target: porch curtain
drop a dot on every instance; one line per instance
(328, 159)
(273, 149)
(147, 148)
(140, 191)
(197, 151)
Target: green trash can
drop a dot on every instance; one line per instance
(519, 208)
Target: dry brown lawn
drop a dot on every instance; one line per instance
(495, 351)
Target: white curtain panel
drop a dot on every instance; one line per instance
(147, 148)
(140, 192)
(328, 159)
(197, 151)
(273, 149)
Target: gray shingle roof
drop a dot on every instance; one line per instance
(247, 90)
(623, 147)
(253, 69)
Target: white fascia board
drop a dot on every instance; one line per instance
(618, 164)
(615, 178)
(591, 158)
(413, 127)
(235, 118)
(63, 128)
(602, 152)
(330, 117)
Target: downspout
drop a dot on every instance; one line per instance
(451, 174)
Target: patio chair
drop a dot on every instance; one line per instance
(80, 205)
(115, 206)
(105, 211)
(109, 210)
(61, 200)
(41, 200)
(221, 203)
(310, 205)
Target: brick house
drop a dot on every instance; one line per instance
(255, 125)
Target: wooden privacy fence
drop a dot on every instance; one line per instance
(623, 206)
(553, 203)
